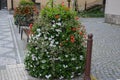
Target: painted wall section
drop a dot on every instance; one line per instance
(81, 3)
(112, 7)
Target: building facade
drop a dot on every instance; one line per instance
(112, 12)
(11, 4)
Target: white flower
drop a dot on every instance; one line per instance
(51, 45)
(31, 66)
(33, 57)
(39, 34)
(59, 19)
(72, 76)
(36, 48)
(73, 59)
(52, 36)
(47, 52)
(46, 37)
(57, 35)
(56, 42)
(79, 73)
(61, 77)
(48, 76)
(42, 42)
(65, 66)
(77, 67)
(54, 25)
(39, 74)
(66, 56)
(49, 38)
(43, 61)
(81, 57)
(53, 21)
(59, 24)
(58, 30)
(54, 45)
(52, 41)
(38, 30)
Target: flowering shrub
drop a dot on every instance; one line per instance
(57, 48)
(24, 12)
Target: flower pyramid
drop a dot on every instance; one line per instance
(57, 47)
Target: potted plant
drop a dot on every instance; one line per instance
(57, 48)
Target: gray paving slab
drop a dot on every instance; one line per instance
(106, 48)
(8, 47)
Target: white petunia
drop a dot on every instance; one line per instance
(58, 30)
(54, 45)
(46, 37)
(52, 41)
(66, 56)
(51, 45)
(56, 42)
(57, 35)
(59, 19)
(43, 61)
(49, 38)
(52, 36)
(36, 48)
(38, 30)
(31, 66)
(77, 67)
(48, 76)
(73, 59)
(33, 57)
(53, 21)
(61, 77)
(59, 24)
(54, 25)
(65, 66)
(72, 76)
(81, 57)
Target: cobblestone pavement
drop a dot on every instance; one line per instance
(106, 48)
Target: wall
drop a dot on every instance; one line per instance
(81, 3)
(15, 4)
(112, 12)
(112, 7)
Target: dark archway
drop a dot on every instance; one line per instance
(3, 4)
(34, 1)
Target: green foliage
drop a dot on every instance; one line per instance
(25, 2)
(57, 48)
(93, 12)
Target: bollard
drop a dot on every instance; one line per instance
(88, 57)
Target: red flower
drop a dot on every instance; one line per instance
(30, 31)
(57, 16)
(76, 18)
(72, 39)
(80, 33)
(73, 29)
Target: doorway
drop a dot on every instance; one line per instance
(3, 4)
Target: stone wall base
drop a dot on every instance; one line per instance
(114, 19)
